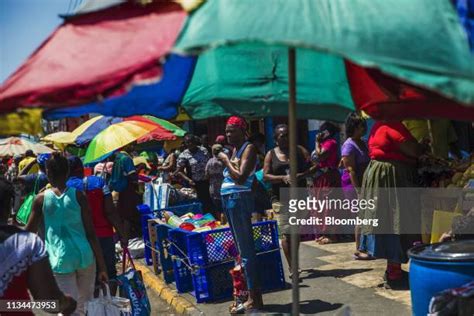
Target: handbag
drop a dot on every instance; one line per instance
(132, 287)
(107, 305)
(25, 209)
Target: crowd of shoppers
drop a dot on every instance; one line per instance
(79, 218)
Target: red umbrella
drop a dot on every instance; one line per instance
(383, 97)
(96, 55)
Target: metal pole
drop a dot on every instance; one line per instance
(430, 134)
(295, 310)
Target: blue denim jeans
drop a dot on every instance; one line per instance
(238, 209)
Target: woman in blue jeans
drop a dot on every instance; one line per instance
(238, 204)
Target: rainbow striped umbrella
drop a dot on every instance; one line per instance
(121, 134)
(84, 134)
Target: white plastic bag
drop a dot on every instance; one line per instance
(136, 246)
(108, 305)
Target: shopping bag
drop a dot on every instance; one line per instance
(25, 209)
(240, 290)
(442, 222)
(107, 305)
(132, 287)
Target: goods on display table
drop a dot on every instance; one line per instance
(440, 173)
(439, 207)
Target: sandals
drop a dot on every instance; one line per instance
(363, 256)
(290, 275)
(241, 309)
(324, 241)
(236, 309)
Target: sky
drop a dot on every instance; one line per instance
(24, 25)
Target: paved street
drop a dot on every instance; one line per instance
(331, 282)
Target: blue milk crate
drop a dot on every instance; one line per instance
(218, 245)
(146, 213)
(165, 259)
(181, 269)
(211, 255)
(214, 283)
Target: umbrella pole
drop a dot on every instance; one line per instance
(430, 133)
(295, 310)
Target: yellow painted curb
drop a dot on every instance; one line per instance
(180, 304)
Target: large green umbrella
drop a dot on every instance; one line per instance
(252, 79)
(421, 42)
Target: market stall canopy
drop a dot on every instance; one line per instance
(23, 121)
(418, 42)
(89, 6)
(160, 99)
(12, 146)
(96, 55)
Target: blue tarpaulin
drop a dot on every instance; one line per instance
(160, 99)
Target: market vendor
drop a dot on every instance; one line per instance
(391, 171)
(444, 136)
(192, 168)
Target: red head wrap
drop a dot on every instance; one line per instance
(237, 121)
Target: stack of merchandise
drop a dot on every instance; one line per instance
(192, 222)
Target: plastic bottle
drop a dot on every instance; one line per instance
(174, 221)
(187, 216)
(167, 215)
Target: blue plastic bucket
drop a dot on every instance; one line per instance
(437, 267)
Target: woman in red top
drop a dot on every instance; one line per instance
(394, 152)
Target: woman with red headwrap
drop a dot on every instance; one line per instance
(238, 204)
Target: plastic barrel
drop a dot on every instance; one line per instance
(438, 267)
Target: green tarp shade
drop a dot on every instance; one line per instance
(252, 80)
(419, 41)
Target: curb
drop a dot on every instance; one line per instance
(171, 296)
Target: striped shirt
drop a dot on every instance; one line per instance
(229, 186)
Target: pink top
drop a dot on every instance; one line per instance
(329, 145)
